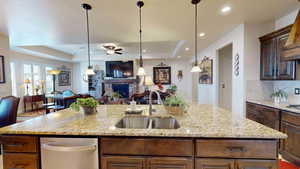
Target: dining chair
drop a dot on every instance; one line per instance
(8, 110)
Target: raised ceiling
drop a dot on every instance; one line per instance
(167, 24)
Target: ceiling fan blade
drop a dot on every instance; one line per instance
(119, 49)
(119, 53)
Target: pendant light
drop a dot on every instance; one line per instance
(141, 70)
(89, 71)
(196, 67)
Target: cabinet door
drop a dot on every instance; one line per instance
(256, 164)
(214, 164)
(170, 162)
(264, 115)
(290, 147)
(285, 69)
(116, 162)
(268, 60)
(20, 161)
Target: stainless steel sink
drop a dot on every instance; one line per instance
(165, 123)
(134, 122)
(144, 122)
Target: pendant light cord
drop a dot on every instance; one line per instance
(196, 30)
(141, 57)
(88, 36)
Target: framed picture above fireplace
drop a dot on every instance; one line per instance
(162, 75)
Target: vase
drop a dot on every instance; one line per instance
(89, 110)
(175, 110)
(277, 100)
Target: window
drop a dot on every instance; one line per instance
(14, 89)
(49, 80)
(32, 79)
(28, 79)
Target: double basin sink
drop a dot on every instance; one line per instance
(145, 122)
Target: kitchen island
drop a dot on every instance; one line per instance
(206, 137)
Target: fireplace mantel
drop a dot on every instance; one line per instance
(108, 83)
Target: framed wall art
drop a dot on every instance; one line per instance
(162, 75)
(2, 70)
(64, 78)
(206, 75)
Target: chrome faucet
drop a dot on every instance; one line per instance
(159, 101)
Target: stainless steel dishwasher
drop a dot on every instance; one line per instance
(69, 153)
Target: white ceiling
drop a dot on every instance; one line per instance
(168, 25)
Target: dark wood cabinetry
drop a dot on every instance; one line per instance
(290, 148)
(256, 164)
(289, 124)
(265, 115)
(235, 164)
(214, 163)
(118, 162)
(272, 67)
(170, 162)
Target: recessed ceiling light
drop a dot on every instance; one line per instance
(226, 9)
(179, 57)
(202, 34)
(187, 49)
(144, 50)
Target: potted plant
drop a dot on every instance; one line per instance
(88, 105)
(116, 96)
(175, 105)
(172, 89)
(279, 95)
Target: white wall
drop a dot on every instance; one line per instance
(185, 85)
(208, 94)
(286, 20)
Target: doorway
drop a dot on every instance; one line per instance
(225, 77)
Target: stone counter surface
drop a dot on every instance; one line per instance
(203, 121)
(281, 106)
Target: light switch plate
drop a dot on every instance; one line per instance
(297, 91)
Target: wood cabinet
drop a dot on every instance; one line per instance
(256, 164)
(290, 147)
(235, 164)
(272, 67)
(265, 115)
(127, 162)
(20, 152)
(118, 162)
(289, 124)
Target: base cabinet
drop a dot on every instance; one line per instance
(235, 164)
(118, 162)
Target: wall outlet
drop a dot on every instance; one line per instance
(297, 91)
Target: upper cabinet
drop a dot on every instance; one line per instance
(272, 67)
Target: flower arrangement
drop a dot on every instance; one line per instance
(279, 95)
(175, 104)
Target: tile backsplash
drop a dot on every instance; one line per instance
(261, 90)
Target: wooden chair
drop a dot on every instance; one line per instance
(8, 110)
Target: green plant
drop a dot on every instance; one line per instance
(175, 101)
(280, 93)
(84, 102)
(116, 95)
(173, 88)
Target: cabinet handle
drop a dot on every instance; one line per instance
(20, 166)
(236, 149)
(15, 144)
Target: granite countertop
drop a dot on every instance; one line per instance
(200, 121)
(281, 106)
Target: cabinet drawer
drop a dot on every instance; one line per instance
(163, 147)
(265, 149)
(20, 161)
(292, 118)
(20, 144)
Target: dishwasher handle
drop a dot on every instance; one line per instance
(60, 148)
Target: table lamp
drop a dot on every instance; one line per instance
(148, 82)
(27, 82)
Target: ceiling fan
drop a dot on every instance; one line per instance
(112, 49)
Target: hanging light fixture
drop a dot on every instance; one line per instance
(196, 67)
(89, 71)
(141, 70)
